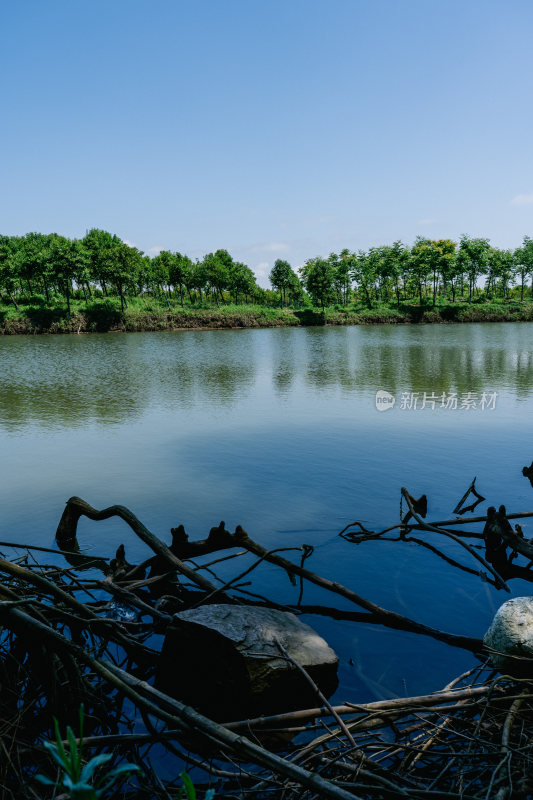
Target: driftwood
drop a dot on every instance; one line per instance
(76, 508)
(220, 539)
(471, 740)
(439, 529)
(471, 520)
(419, 507)
(462, 509)
(172, 711)
(434, 700)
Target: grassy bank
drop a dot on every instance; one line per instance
(141, 315)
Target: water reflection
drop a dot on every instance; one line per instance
(278, 430)
(73, 380)
(70, 381)
(442, 359)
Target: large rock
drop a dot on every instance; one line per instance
(223, 660)
(511, 635)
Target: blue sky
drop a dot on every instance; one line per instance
(275, 129)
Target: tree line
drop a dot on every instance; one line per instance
(101, 264)
(427, 270)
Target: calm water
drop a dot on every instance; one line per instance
(278, 430)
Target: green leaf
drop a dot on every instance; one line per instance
(119, 772)
(54, 752)
(80, 748)
(88, 770)
(59, 741)
(44, 780)
(74, 759)
(190, 791)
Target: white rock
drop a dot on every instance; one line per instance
(511, 634)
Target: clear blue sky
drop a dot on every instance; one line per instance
(273, 128)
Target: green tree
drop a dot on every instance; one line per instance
(121, 264)
(420, 264)
(197, 280)
(98, 244)
(386, 263)
(501, 268)
(363, 272)
(68, 260)
(397, 266)
(440, 255)
(80, 266)
(295, 290)
(32, 260)
(446, 263)
(341, 263)
(8, 277)
(160, 273)
(473, 256)
(216, 270)
(280, 278)
(318, 277)
(524, 262)
(241, 280)
(180, 273)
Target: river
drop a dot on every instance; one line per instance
(278, 430)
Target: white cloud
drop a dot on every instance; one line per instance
(154, 251)
(522, 200)
(130, 244)
(269, 247)
(261, 269)
(426, 221)
(277, 247)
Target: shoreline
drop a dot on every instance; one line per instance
(105, 319)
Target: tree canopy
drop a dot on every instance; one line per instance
(100, 264)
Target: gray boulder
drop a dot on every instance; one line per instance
(223, 660)
(511, 635)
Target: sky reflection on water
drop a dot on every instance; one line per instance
(278, 430)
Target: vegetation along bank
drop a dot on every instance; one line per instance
(52, 284)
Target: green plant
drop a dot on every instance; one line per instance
(77, 778)
(190, 791)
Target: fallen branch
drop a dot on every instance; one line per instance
(471, 490)
(435, 529)
(398, 704)
(76, 508)
(390, 618)
(170, 710)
